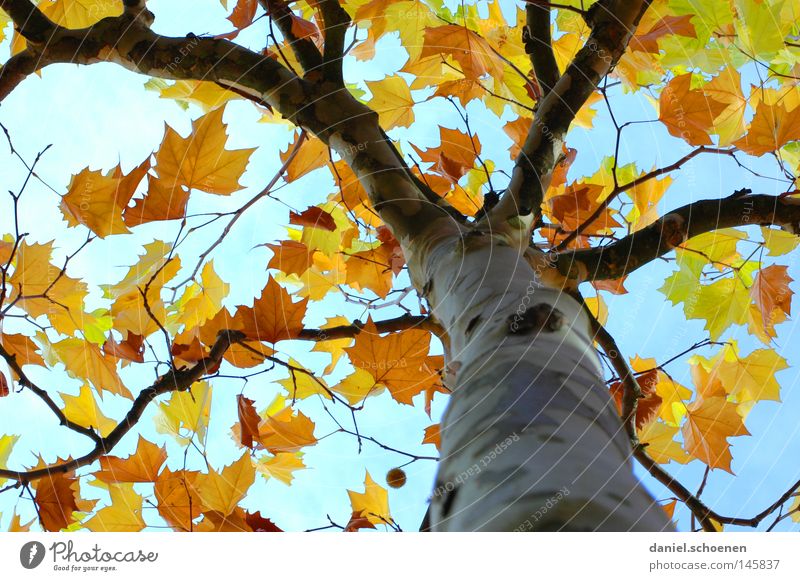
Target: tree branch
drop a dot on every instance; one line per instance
(538, 45)
(613, 23)
(336, 21)
(176, 380)
(389, 326)
(673, 229)
(304, 49)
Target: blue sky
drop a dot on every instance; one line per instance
(101, 115)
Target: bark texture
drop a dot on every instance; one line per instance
(531, 439)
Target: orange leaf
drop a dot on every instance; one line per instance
(773, 127)
(688, 113)
(315, 217)
(771, 292)
(648, 406)
(455, 156)
(248, 420)
(290, 257)
(161, 202)
(141, 466)
(178, 501)
(56, 497)
(433, 435)
(466, 47)
(273, 316)
(709, 422)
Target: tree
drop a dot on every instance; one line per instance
(537, 434)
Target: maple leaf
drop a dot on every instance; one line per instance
(123, 514)
(392, 101)
(315, 217)
(97, 200)
(248, 420)
(455, 156)
(83, 409)
(177, 499)
(6, 446)
(290, 257)
(259, 524)
(78, 13)
(162, 201)
(397, 360)
(709, 423)
(141, 466)
(85, 361)
(222, 491)
(661, 444)
(313, 154)
(186, 411)
(468, 49)
(273, 316)
(243, 13)
(647, 406)
(200, 161)
(281, 466)
(433, 436)
(372, 504)
(56, 498)
(688, 113)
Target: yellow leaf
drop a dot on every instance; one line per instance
(6, 445)
(773, 127)
(336, 347)
(222, 491)
(187, 411)
(201, 302)
(392, 101)
(97, 200)
(302, 383)
(779, 242)
(357, 386)
(313, 155)
(200, 161)
(750, 378)
(205, 94)
(79, 13)
(83, 409)
(373, 503)
(660, 440)
(122, 515)
(281, 466)
(688, 113)
(85, 361)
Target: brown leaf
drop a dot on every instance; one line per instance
(248, 420)
(314, 217)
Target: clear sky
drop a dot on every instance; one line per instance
(102, 115)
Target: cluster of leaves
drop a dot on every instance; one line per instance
(686, 57)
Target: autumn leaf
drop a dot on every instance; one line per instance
(290, 257)
(56, 499)
(248, 420)
(688, 113)
(83, 409)
(186, 413)
(286, 431)
(162, 201)
(397, 360)
(141, 466)
(78, 13)
(200, 161)
(313, 154)
(433, 436)
(122, 515)
(455, 156)
(474, 55)
(273, 316)
(709, 423)
(222, 491)
(315, 217)
(177, 499)
(281, 466)
(372, 504)
(6, 446)
(97, 200)
(86, 362)
(392, 100)
(771, 292)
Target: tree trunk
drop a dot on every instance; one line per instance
(531, 439)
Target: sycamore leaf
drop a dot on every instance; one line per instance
(772, 127)
(200, 161)
(85, 361)
(302, 383)
(357, 386)
(397, 360)
(177, 498)
(313, 155)
(78, 13)
(660, 440)
(205, 94)
(22, 348)
(248, 420)
(778, 242)
(750, 378)
(688, 113)
(163, 201)
(6, 445)
(433, 435)
(709, 423)
(56, 499)
(281, 466)
(273, 316)
(222, 491)
(141, 466)
(97, 200)
(455, 156)
(186, 411)
(373, 503)
(290, 257)
(474, 55)
(771, 291)
(83, 409)
(122, 515)
(315, 217)
(392, 101)
(285, 431)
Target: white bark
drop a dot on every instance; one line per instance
(531, 439)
